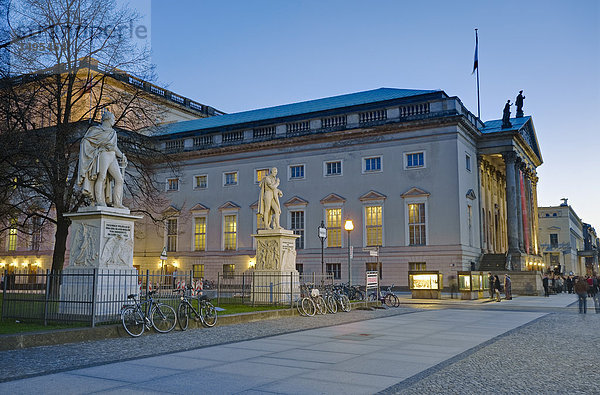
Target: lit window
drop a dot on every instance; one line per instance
(297, 225)
(416, 223)
(173, 184)
(231, 178)
(172, 234)
(417, 266)
(334, 227)
(200, 234)
(373, 225)
(230, 232)
(12, 236)
(201, 182)
(335, 269)
(333, 168)
(414, 160)
(228, 270)
(296, 172)
(373, 164)
(260, 174)
(468, 162)
(198, 270)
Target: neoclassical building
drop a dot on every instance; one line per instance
(423, 179)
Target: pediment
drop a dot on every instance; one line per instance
(254, 206)
(171, 210)
(471, 194)
(415, 192)
(372, 195)
(296, 201)
(332, 198)
(230, 206)
(199, 207)
(554, 228)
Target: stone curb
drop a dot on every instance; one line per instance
(75, 335)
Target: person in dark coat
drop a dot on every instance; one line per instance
(497, 288)
(569, 282)
(596, 293)
(581, 289)
(491, 285)
(507, 287)
(546, 285)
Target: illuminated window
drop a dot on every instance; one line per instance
(417, 266)
(12, 236)
(172, 234)
(228, 270)
(297, 225)
(373, 225)
(416, 223)
(198, 271)
(230, 178)
(335, 269)
(261, 173)
(201, 182)
(230, 232)
(173, 184)
(199, 233)
(334, 227)
(415, 160)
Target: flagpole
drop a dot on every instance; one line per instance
(477, 49)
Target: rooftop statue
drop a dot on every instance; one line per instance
(268, 201)
(506, 116)
(99, 164)
(519, 104)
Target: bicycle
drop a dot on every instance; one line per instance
(305, 305)
(206, 313)
(158, 315)
(386, 298)
(341, 298)
(315, 295)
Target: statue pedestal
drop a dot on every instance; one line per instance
(275, 279)
(100, 274)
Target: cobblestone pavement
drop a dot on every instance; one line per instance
(16, 364)
(557, 353)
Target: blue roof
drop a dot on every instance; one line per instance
(495, 125)
(311, 106)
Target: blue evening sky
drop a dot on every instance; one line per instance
(241, 55)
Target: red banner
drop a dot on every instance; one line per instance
(525, 212)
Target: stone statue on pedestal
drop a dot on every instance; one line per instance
(98, 164)
(519, 104)
(506, 116)
(268, 201)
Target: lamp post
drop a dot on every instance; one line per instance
(349, 226)
(322, 235)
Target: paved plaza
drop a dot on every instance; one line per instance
(439, 347)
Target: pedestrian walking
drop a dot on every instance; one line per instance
(546, 285)
(507, 287)
(581, 289)
(497, 288)
(596, 293)
(570, 284)
(491, 284)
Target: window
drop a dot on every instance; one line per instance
(468, 162)
(300, 268)
(200, 234)
(335, 269)
(372, 164)
(296, 172)
(228, 270)
(553, 240)
(416, 224)
(334, 227)
(230, 232)
(230, 178)
(417, 266)
(198, 271)
(173, 184)
(373, 225)
(415, 160)
(12, 236)
(333, 168)
(172, 234)
(261, 173)
(297, 225)
(36, 236)
(201, 182)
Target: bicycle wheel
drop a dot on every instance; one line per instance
(331, 304)
(163, 318)
(208, 314)
(183, 315)
(372, 297)
(396, 300)
(360, 295)
(320, 304)
(133, 321)
(344, 303)
(299, 307)
(308, 306)
(389, 300)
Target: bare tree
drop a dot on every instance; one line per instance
(66, 61)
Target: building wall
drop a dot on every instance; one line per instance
(564, 222)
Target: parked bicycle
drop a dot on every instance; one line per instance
(206, 313)
(305, 304)
(386, 297)
(341, 298)
(353, 292)
(149, 313)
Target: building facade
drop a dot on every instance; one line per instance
(423, 180)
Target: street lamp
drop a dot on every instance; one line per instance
(349, 226)
(322, 235)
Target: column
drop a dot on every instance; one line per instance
(518, 164)
(511, 202)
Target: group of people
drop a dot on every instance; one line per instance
(586, 287)
(496, 287)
